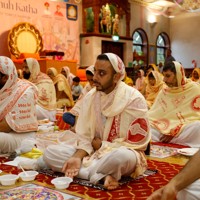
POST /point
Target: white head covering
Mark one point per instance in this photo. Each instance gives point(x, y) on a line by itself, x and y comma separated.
point(13, 88)
point(91, 69)
point(180, 74)
point(7, 67)
point(117, 64)
point(34, 68)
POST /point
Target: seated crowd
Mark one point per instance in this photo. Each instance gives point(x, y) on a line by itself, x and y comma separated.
point(112, 120)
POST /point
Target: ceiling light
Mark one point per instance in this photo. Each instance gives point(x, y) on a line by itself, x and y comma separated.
point(151, 19)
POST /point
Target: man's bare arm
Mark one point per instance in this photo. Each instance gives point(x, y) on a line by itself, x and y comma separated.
point(188, 174)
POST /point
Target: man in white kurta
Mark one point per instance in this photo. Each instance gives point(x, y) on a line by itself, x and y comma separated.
point(112, 130)
point(17, 107)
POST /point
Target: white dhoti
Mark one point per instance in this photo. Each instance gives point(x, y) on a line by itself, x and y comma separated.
point(190, 135)
point(9, 142)
point(192, 192)
point(117, 163)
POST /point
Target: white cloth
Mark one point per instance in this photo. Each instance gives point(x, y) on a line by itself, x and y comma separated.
point(17, 107)
point(117, 64)
point(177, 107)
point(90, 68)
point(68, 75)
point(187, 137)
point(45, 86)
point(121, 108)
point(86, 89)
point(108, 164)
point(45, 114)
point(119, 119)
point(129, 129)
point(192, 192)
point(22, 116)
point(9, 142)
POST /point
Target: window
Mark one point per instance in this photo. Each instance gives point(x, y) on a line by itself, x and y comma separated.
point(137, 42)
point(162, 44)
point(140, 50)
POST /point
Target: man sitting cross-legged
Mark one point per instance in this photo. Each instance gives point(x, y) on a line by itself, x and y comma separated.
point(175, 114)
point(112, 130)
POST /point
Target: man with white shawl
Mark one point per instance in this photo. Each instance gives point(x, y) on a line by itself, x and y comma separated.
point(17, 107)
point(46, 104)
point(112, 130)
point(175, 114)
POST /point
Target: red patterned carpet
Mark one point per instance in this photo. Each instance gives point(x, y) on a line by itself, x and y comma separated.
point(136, 190)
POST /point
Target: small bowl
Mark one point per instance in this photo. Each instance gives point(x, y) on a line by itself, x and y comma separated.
point(62, 182)
point(8, 179)
point(28, 176)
